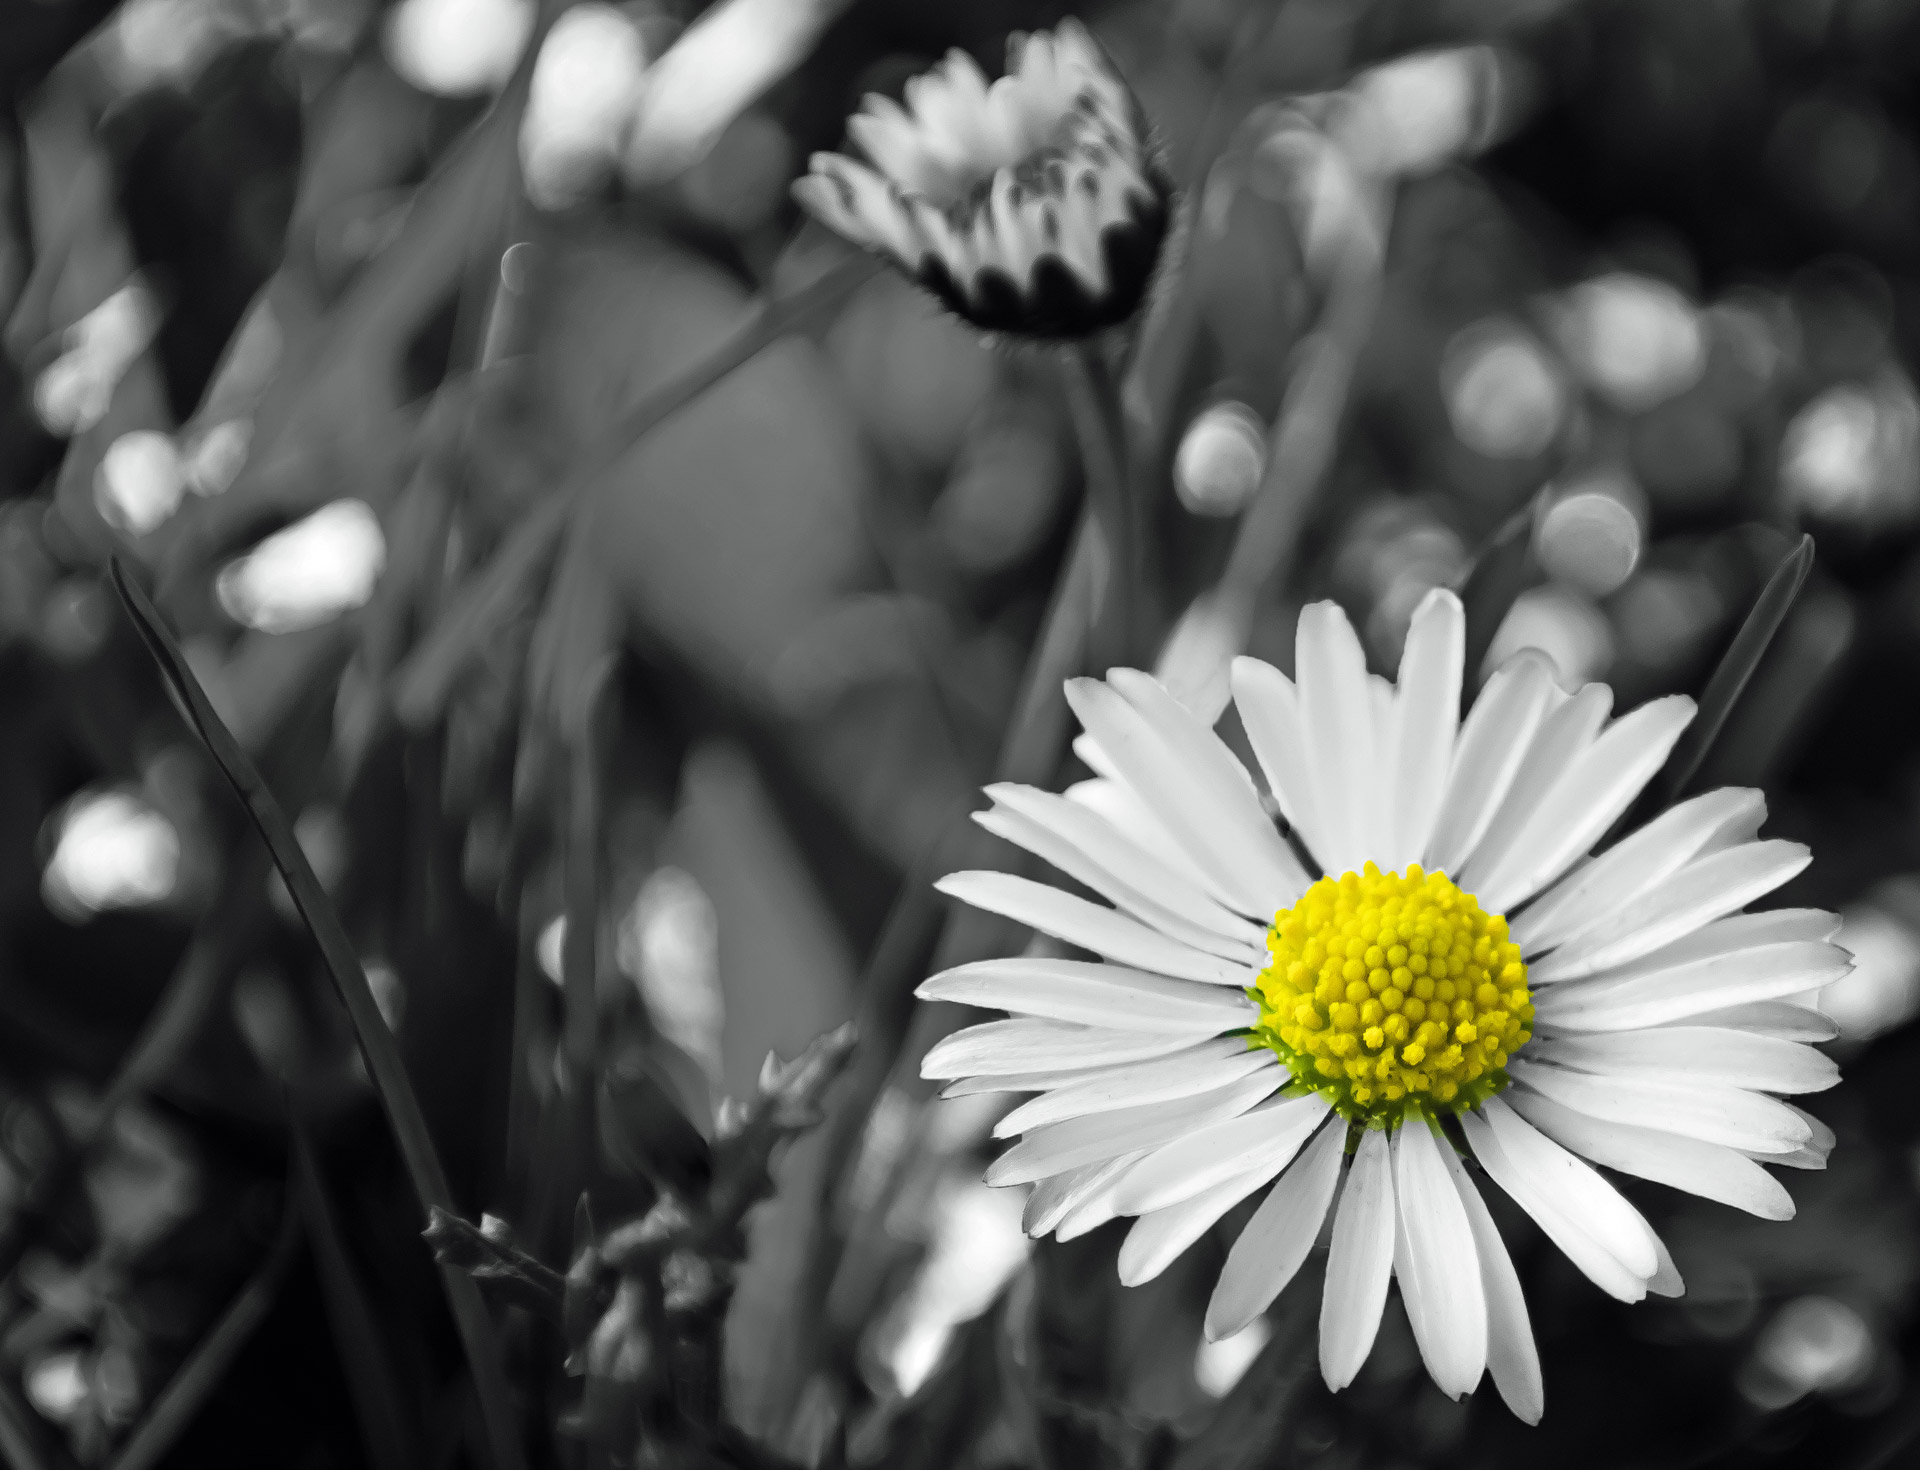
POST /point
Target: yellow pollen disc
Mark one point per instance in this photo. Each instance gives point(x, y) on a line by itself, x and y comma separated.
point(1390, 991)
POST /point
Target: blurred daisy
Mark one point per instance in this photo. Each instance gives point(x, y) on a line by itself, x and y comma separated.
point(1465, 981)
point(1030, 206)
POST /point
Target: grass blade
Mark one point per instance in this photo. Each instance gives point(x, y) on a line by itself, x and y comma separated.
point(376, 1042)
point(174, 1410)
point(363, 1355)
point(1735, 671)
point(1500, 573)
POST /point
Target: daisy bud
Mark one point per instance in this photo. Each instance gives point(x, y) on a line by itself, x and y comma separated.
point(1030, 206)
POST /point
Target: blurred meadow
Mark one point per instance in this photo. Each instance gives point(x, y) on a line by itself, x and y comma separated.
point(625, 588)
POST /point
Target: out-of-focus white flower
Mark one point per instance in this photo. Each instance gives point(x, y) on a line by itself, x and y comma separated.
point(57, 1385)
point(1218, 1365)
point(1030, 206)
point(586, 85)
point(1591, 532)
point(1220, 460)
point(144, 1185)
point(1416, 113)
point(668, 944)
point(140, 481)
point(1813, 1344)
point(111, 851)
point(1635, 339)
point(458, 48)
point(307, 574)
point(977, 1246)
point(1337, 211)
point(550, 949)
point(1568, 629)
point(215, 458)
point(1853, 454)
point(718, 68)
point(1396, 552)
point(1504, 395)
point(73, 393)
point(1884, 989)
point(166, 41)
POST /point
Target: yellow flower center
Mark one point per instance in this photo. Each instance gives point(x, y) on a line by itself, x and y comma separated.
point(1389, 992)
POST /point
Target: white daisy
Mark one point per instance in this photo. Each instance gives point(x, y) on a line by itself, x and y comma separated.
point(1465, 980)
point(1030, 206)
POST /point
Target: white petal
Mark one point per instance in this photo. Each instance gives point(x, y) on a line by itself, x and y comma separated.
point(1337, 713)
point(1238, 827)
point(1115, 803)
point(1577, 1209)
point(1276, 1240)
point(1054, 1199)
point(1699, 1053)
point(1187, 799)
point(1512, 1356)
point(1633, 865)
point(1440, 1276)
point(1003, 1047)
point(1092, 994)
point(1566, 732)
point(1138, 903)
point(1269, 708)
point(1705, 1169)
point(1202, 1159)
point(1105, 931)
point(1493, 742)
point(1140, 870)
point(1645, 994)
point(1700, 892)
point(1156, 1240)
point(1117, 1073)
point(1723, 1115)
point(1094, 1206)
point(1778, 1019)
point(1081, 1141)
point(1184, 1074)
point(1427, 717)
point(1585, 799)
point(1359, 1264)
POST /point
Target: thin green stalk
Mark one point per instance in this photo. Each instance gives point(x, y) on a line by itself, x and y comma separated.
point(364, 1360)
point(1304, 441)
point(579, 953)
point(183, 1398)
point(376, 1042)
point(1094, 399)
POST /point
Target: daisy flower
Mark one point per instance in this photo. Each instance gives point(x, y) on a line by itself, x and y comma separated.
point(1030, 206)
point(1436, 969)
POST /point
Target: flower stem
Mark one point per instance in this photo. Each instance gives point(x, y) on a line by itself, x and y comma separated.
point(1094, 398)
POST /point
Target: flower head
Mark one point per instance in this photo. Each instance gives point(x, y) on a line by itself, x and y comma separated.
point(1450, 977)
point(1030, 206)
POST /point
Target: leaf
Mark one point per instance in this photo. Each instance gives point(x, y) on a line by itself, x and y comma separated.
point(376, 1042)
point(363, 1354)
point(424, 681)
point(1735, 670)
point(182, 1398)
point(1500, 573)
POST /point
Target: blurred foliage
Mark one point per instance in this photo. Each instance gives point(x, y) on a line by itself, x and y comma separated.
point(615, 749)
